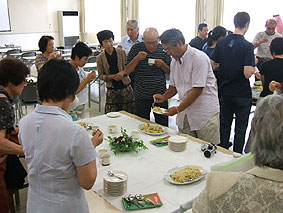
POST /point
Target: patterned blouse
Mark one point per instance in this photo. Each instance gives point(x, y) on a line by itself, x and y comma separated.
point(7, 116)
point(40, 60)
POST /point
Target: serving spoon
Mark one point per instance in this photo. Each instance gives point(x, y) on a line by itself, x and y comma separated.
point(140, 197)
point(111, 174)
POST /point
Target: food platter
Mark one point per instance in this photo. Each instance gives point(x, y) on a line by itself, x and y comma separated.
point(113, 114)
point(159, 110)
point(152, 129)
point(83, 124)
point(178, 168)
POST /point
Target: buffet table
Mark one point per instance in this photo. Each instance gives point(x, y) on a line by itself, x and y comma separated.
point(147, 168)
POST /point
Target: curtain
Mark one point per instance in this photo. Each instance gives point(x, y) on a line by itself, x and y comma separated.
point(218, 12)
point(123, 17)
point(82, 16)
point(199, 14)
point(133, 9)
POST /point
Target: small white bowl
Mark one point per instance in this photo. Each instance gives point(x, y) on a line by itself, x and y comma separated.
point(135, 134)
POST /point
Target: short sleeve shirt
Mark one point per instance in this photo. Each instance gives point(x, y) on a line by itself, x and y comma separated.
point(207, 50)
point(198, 42)
point(7, 116)
point(272, 71)
point(148, 80)
point(263, 50)
point(233, 53)
point(83, 94)
point(54, 145)
point(195, 71)
point(127, 43)
point(40, 60)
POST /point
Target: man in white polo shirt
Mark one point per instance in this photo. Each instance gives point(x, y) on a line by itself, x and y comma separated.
point(193, 79)
point(262, 42)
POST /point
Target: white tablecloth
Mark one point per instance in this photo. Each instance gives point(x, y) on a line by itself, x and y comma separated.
point(146, 169)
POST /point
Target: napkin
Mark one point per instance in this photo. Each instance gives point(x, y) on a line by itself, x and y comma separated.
point(160, 141)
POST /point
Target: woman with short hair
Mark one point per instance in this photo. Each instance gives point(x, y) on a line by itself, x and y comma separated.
point(60, 156)
point(13, 74)
point(111, 61)
point(46, 46)
point(259, 189)
point(79, 57)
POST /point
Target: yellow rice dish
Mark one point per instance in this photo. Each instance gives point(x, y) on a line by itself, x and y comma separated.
point(157, 110)
point(83, 124)
point(186, 174)
point(153, 129)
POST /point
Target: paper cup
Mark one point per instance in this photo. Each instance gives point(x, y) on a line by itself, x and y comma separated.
point(151, 61)
point(112, 129)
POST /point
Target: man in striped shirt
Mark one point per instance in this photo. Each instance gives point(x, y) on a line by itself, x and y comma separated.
point(149, 63)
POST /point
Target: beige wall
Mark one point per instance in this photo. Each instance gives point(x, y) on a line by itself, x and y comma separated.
point(30, 19)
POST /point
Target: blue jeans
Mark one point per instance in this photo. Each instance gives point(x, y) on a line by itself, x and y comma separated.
point(229, 106)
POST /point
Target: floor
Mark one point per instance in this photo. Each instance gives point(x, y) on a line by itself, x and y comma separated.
point(94, 111)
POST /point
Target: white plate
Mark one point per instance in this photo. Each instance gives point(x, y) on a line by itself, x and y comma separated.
point(171, 171)
point(160, 113)
point(113, 114)
point(114, 179)
point(178, 139)
point(154, 134)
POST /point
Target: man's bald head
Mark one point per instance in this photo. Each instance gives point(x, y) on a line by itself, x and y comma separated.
point(271, 21)
point(150, 37)
point(270, 26)
point(150, 33)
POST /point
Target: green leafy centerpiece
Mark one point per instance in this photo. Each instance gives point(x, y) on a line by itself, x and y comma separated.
point(125, 143)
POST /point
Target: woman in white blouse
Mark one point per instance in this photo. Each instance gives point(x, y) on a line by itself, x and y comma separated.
point(59, 153)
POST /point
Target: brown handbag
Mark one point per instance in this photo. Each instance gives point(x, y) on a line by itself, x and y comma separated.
point(126, 80)
point(15, 173)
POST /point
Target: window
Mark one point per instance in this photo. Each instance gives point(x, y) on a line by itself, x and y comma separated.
point(259, 11)
point(103, 15)
point(167, 14)
point(4, 16)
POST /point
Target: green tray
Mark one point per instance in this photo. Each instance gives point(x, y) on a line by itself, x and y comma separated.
point(152, 197)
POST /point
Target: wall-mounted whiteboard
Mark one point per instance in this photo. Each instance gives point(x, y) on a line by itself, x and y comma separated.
point(4, 16)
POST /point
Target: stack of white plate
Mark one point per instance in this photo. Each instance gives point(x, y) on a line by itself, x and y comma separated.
point(177, 143)
point(114, 186)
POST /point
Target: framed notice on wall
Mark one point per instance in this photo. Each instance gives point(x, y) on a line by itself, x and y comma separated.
point(4, 16)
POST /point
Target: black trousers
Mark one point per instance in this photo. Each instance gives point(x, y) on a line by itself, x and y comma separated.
point(241, 107)
point(143, 108)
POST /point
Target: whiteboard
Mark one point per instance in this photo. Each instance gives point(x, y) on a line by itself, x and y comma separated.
point(4, 16)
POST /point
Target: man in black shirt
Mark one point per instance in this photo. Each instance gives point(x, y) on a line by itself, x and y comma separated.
point(234, 59)
point(149, 63)
point(201, 39)
point(272, 70)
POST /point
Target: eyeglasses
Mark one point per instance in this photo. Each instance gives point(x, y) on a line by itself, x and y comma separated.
point(167, 50)
point(151, 42)
point(131, 29)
